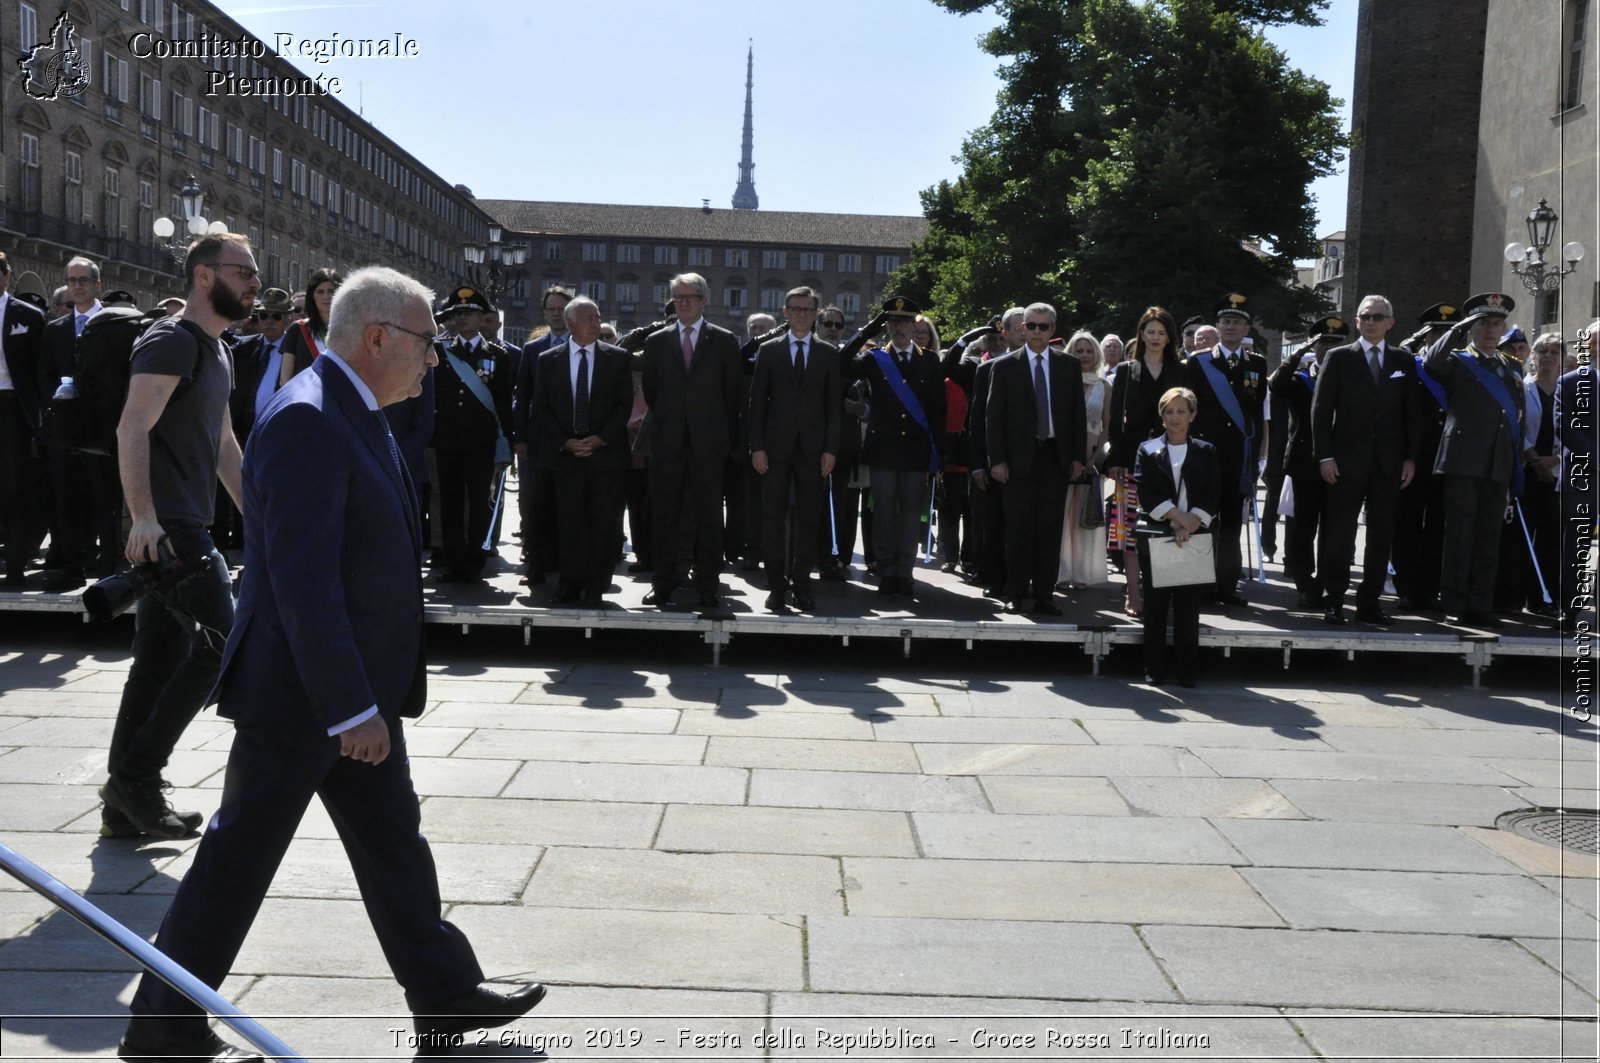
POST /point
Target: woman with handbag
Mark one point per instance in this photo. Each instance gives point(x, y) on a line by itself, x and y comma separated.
point(1083, 537)
point(1137, 385)
point(1178, 487)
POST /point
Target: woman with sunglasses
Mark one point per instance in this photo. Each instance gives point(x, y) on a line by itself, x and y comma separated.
point(304, 340)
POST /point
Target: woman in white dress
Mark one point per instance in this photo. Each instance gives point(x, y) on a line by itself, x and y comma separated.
point(1083, 550)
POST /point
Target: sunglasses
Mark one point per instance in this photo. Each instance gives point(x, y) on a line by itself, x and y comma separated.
point(1038, 326)
point(271, 315)
point(1372, 317)
point(832, 324)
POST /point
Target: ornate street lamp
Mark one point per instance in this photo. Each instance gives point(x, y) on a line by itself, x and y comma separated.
point(191, 199)
point(1528, 262)
point(496, 266)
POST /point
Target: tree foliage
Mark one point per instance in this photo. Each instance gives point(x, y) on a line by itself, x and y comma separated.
point(1138, 150)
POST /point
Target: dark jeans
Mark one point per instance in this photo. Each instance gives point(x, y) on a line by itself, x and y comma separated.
point(178, 638)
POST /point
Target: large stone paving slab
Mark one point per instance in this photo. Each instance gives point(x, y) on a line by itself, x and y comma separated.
point(1003, 1028)
point(1439, 742)
point(93, 865)
point(528, 822)
point(838, 725)
point(1574, 957)
point(604, 696)
point(983, 730)
point(805, 753)
point(966, 957)
point(628, 720)
point(1141, 839)
point(865, 704)
point(865, 790)
point(1536, 858)
point(1417, 901)
point(817, 831)
point(647, 880)
point(1226, 798)
point(585, 746)
point(1276, 764)
point(659, 783)
point(1191, 735)
point(1390, 1035)
point(460, 776)
point(49, 1016)
point(1380, 801)
point(1334, 969)
point(60, 943)
point(25, 807)
point(629, 948)
point(963, 759)
point(1384, 846)
point(1066, 794)
point(1060, 892)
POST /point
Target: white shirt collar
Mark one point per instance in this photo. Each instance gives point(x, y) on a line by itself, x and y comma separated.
point(807, 338)
point(574, 347)
point(94, 308)
point(361, 385)
point(692, 326)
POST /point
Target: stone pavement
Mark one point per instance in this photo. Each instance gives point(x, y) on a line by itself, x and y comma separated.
point(948, 856)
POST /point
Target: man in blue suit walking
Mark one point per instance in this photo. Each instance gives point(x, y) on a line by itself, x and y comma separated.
point(324, 660)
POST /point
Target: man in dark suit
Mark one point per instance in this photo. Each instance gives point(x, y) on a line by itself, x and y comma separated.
point(1231, 385)
point(21, 332)
point(1480, 455)
point(325, 660)
point(693, 379)
point(1036, 442)
point(1365, 431)
point(794, 427)
point(536, 498)
point(907, 387)
point(79, 483)
point(989, 500)
point(472, 407)
point(583, 394)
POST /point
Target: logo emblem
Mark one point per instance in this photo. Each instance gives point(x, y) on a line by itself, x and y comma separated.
point(899, 304)
point(1446, 311)
point(1235, 300)
point(1495, 300)
point(54, 68)
point(1335, 325)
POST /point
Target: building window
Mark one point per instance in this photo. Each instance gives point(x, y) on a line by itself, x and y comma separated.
point(849, 264)
point(733, 299)
point(114, 77)
point(1577, 32)
point(627, 295)
point(74, 190)
point(554, 251)
point(699, 256)
point(595, 290)
point(628, 253)
point(594, 252)
point(774, 260)
point(111, 203)
point(150, 13)
point(29, 28)
point(772, 299)
point(735, 258)
point(666, 256)
point(888, 263)
point(1552, 308)
point(850, 303)
point(811, 261)
point(659, 294)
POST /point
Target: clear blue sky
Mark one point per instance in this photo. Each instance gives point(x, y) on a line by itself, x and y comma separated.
point(626, 101)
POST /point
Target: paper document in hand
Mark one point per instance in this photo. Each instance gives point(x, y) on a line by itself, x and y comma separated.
point(1172, 565)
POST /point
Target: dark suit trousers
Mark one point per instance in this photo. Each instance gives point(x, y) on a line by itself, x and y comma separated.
point(1474, 510)
point(466, 498)
point(899, 502)
point(636, 489)
point(590, 501)
point(992, 559)
point(1300, 532)
point(1035, 508)
point(686, 512)
point(1419, 538)
point(273, 772)
point(1184, 605)
point(952, 512)
point(15, 483)
point(801, 480)
point(1336, 544)
point(1517, 585)
point(68, 483)
point(1226, 531)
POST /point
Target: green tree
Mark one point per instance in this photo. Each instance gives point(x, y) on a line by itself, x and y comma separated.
point(1141, 151)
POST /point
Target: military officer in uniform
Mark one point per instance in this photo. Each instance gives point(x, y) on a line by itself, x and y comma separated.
point(1230, 382)
point(1292, 385)
point(907, 409)
point(1419, 520)
point(1479, 455)
point(472, 402)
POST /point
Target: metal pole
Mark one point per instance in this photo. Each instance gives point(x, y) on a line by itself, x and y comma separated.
point(146, 954)
point(494, 517)
point(833, 521)
point(1544, 590)
point(1255, 517)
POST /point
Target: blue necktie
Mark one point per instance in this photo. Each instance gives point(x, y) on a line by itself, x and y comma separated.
point(394, 448)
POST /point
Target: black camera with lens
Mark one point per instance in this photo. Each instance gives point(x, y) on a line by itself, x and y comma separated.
point(118, 592)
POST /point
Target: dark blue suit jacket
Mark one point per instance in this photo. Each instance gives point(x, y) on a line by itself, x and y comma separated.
point(329, 620)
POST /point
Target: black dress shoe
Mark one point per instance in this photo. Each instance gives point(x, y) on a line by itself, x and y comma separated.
point(1044, 608)
point(888, 585)
point(483, 1008)
point(1374, 615)
point(948, 566)
point(1334, 614)
point(640, 567)
point(709, 603)
point(774, 601)
point(13, 580)
point(1232, 598)
point(834, 573)
point(567, 598)
point(141, 1045)
point(803, 600)
point(1308, 600)
point(592, 599)
point(63, 579)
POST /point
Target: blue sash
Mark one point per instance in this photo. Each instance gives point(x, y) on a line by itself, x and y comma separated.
point(1433, 386)
point(908, 399)
point(1308, 380)
point(480, 391)
point(1230, 406)
point(1495, 385)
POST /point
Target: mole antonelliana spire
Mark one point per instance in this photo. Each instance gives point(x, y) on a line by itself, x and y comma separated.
point(744, 197)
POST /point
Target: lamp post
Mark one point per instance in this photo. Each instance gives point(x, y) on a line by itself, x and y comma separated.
point(1528, 262)
point(191, 198)
point(494, 267)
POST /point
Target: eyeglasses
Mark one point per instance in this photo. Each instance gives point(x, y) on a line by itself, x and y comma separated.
point(424, 337)
point(1372, 317)
point(830, 324)
point(800, 310)
point(1039, 326)
point(693, 298)
point(247, 273)
point(80, 280)
point(271, 315)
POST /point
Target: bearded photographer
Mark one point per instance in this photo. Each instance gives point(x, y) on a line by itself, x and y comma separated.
point(174, 438)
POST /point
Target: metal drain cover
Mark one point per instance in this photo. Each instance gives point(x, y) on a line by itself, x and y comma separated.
point(1574, 829)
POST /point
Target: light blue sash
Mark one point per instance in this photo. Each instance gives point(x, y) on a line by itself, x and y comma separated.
point(908, 399)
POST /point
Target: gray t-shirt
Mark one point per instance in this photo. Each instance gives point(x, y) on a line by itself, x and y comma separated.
point(188, 434)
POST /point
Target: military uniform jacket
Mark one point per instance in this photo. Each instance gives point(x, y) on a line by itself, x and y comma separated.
point(1291, 395)
point(1248, 378)
point(461, 422)
point(894, 438)
point(1477, 441)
